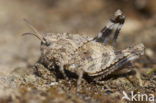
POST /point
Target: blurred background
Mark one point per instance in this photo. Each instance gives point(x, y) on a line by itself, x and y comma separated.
point(73, 16)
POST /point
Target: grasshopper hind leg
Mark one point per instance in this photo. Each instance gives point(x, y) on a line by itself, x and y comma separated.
point(104, 35)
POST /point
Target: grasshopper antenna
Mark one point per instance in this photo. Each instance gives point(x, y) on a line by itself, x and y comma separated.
point(36, 33)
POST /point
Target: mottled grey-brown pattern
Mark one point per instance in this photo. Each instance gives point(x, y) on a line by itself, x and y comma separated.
point(86, 55)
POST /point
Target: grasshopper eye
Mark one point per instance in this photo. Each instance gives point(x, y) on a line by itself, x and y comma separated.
point(46, 42)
